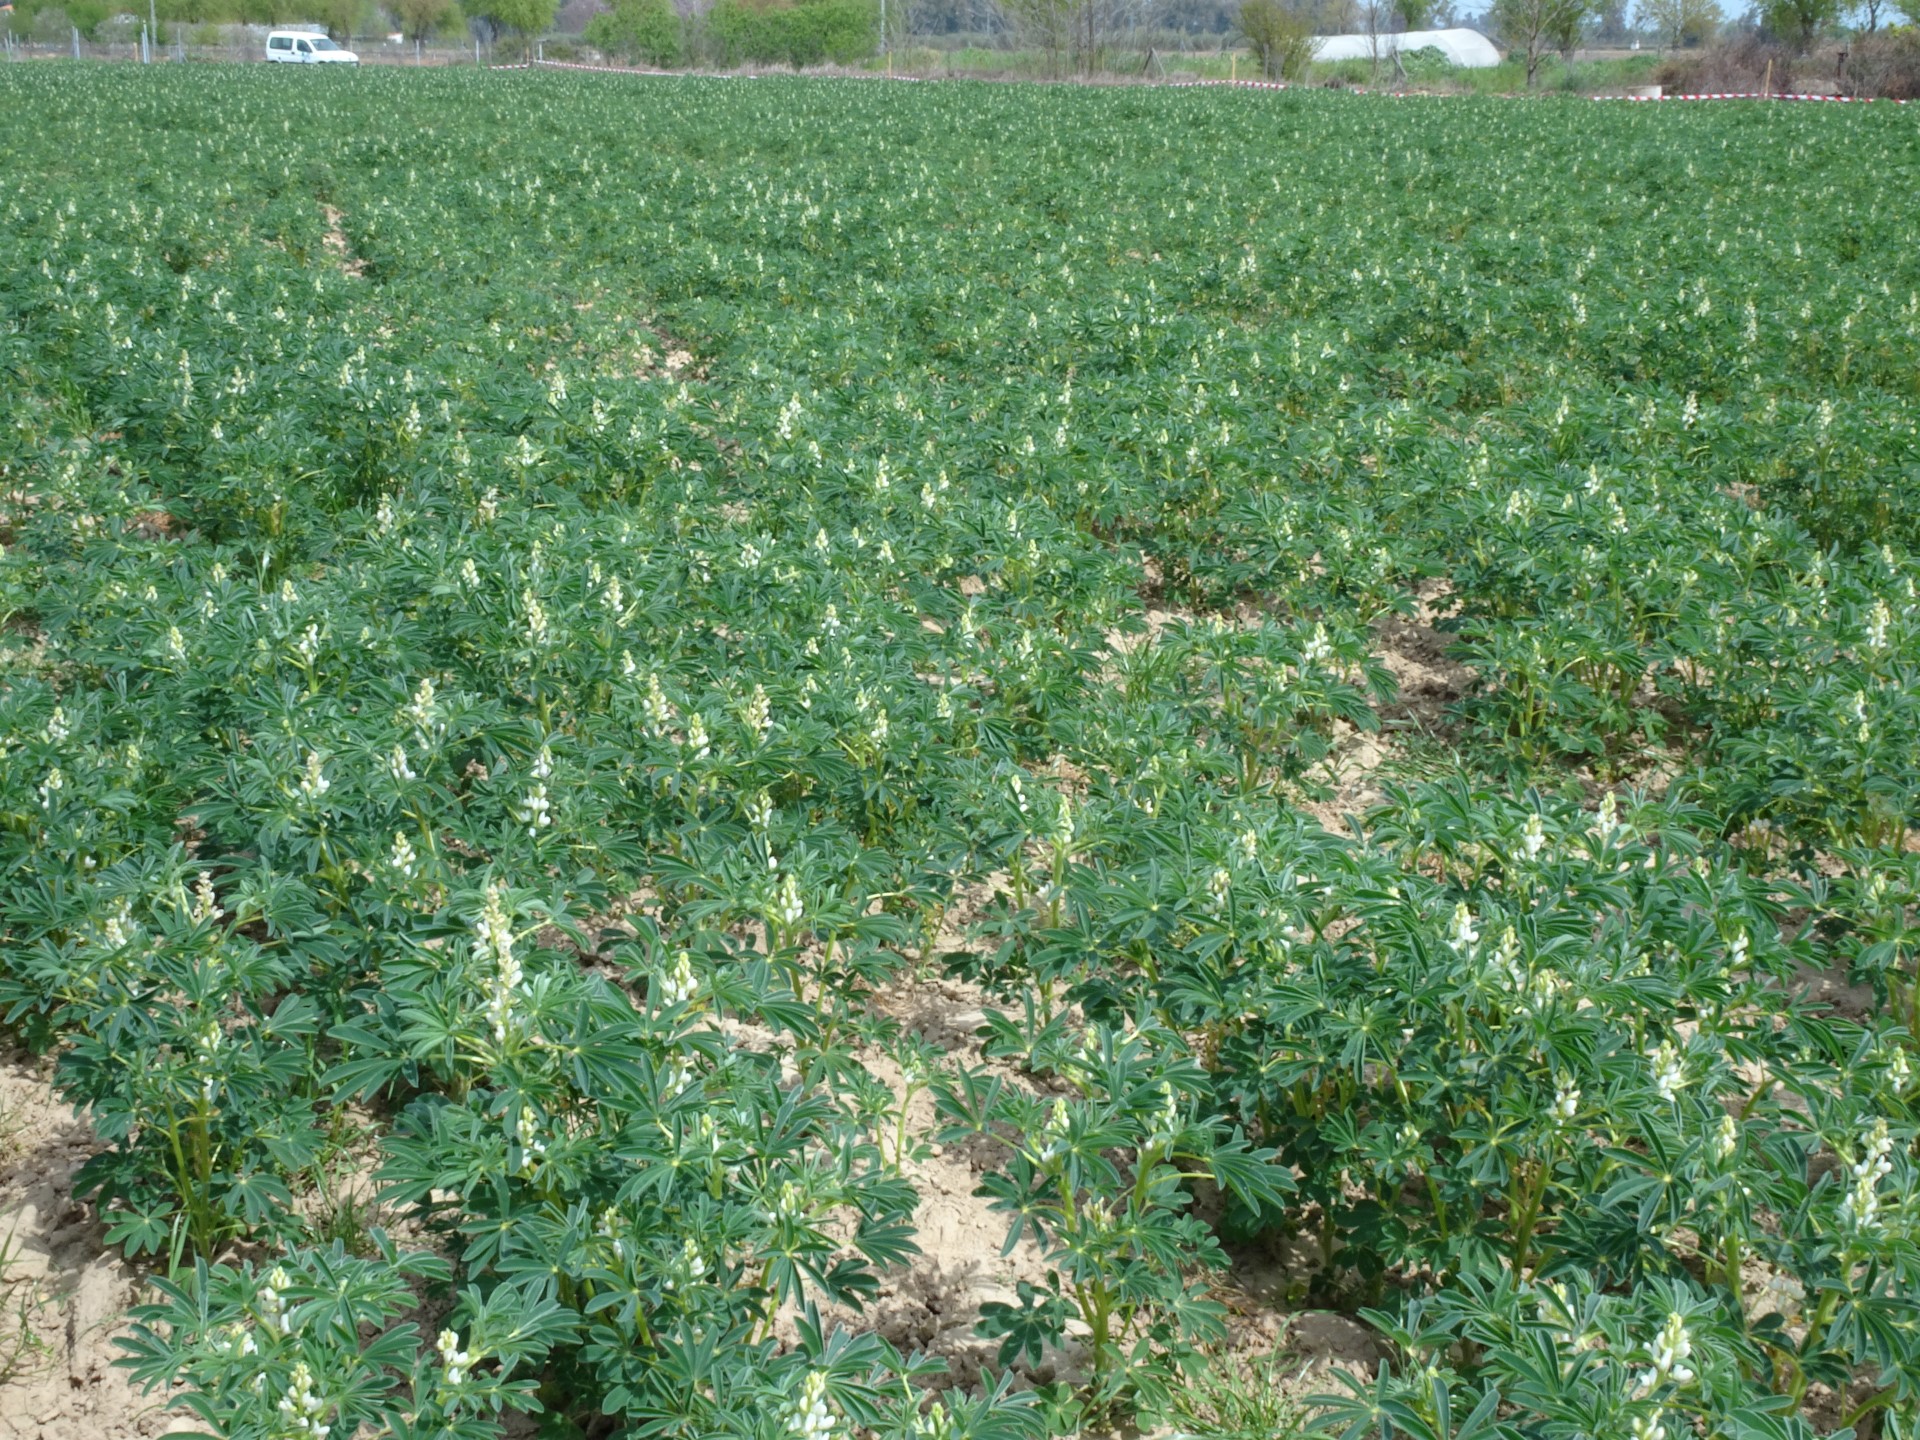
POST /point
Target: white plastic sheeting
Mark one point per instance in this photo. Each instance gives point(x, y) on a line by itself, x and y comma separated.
point(1468, 49)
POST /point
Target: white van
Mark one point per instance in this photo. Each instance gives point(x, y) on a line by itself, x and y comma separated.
point(297, 47)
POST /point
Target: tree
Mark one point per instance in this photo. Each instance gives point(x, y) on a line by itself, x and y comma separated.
point(1534, 26)
point(343, 18)
point(1680, 22)
point(1044, 24)
point(1280, 37)
point(1799, 21)
point(526, 18)
point(420, 18)
point(794, 32)
point(1568, 29)
point(645, 30)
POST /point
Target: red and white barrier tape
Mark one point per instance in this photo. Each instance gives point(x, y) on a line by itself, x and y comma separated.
point(1752, 95)
point(1233, 84)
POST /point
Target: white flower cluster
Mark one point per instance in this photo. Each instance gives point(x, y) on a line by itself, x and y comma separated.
point(811, 1415)
point(1726, 1139)
point(401, 857)
point(789, 1205)
point(1861, 1208)
point(536, 811)
point(1063, 826)
point(1608, 821)
point(422, 712)
point(656, 707)
point(679, 985)
point(206, 907)
point(1054, 1133)
point(936, 1424)
point(273, 1304)
point(1877, 621)
point(787, 907)
point(493, 945)
point(207, 1046)
point(758, 714)
point(1318, 650)
point(458, 1362)
point(1168, 1121)
point(1534, 838)
point(524, 1131)
point(1462, 936)
point(698, 740)
point(1670, 1351)
point(688, 1268)
point(119, 929)
point(313, 778)
point(235, 1339)
point(760, 811)
point(1669, 1070)
point(300, 1408)
point(1566, 1101)
point(1219, 885)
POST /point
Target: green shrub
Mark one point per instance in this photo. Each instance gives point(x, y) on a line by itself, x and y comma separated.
point(1280, 37)
point(643, 30)
point(805, 33)
point(1429, 62)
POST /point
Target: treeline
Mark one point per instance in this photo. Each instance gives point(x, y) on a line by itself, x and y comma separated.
point(417, 19)
point(734, 32)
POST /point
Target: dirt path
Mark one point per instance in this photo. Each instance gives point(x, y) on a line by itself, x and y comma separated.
point(59, 1281)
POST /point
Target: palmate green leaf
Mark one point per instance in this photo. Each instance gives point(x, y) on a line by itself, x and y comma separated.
point(148, 1230)
point(1253, 1176)
point(256, 1198)
point(1037, 1320)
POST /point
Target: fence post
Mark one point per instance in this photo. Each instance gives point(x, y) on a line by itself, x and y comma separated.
point(540, 50)
point(76, 42)
point(476, 49)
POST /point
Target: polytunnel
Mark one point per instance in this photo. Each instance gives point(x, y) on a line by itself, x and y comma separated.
point(1467, 49)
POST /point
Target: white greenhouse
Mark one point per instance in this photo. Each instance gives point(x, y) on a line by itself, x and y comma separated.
point(1467, 49)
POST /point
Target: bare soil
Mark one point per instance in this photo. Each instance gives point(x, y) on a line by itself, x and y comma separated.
point(75, 1293)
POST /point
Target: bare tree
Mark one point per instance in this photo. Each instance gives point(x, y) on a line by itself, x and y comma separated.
point(1049, 25)
point(1078, 34)
point(1534, 27)
point(1678, 21)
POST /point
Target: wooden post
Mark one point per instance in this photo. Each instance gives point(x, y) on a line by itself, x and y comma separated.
point(1766, 85)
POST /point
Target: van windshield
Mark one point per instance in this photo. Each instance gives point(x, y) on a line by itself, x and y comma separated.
point(320, 42)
